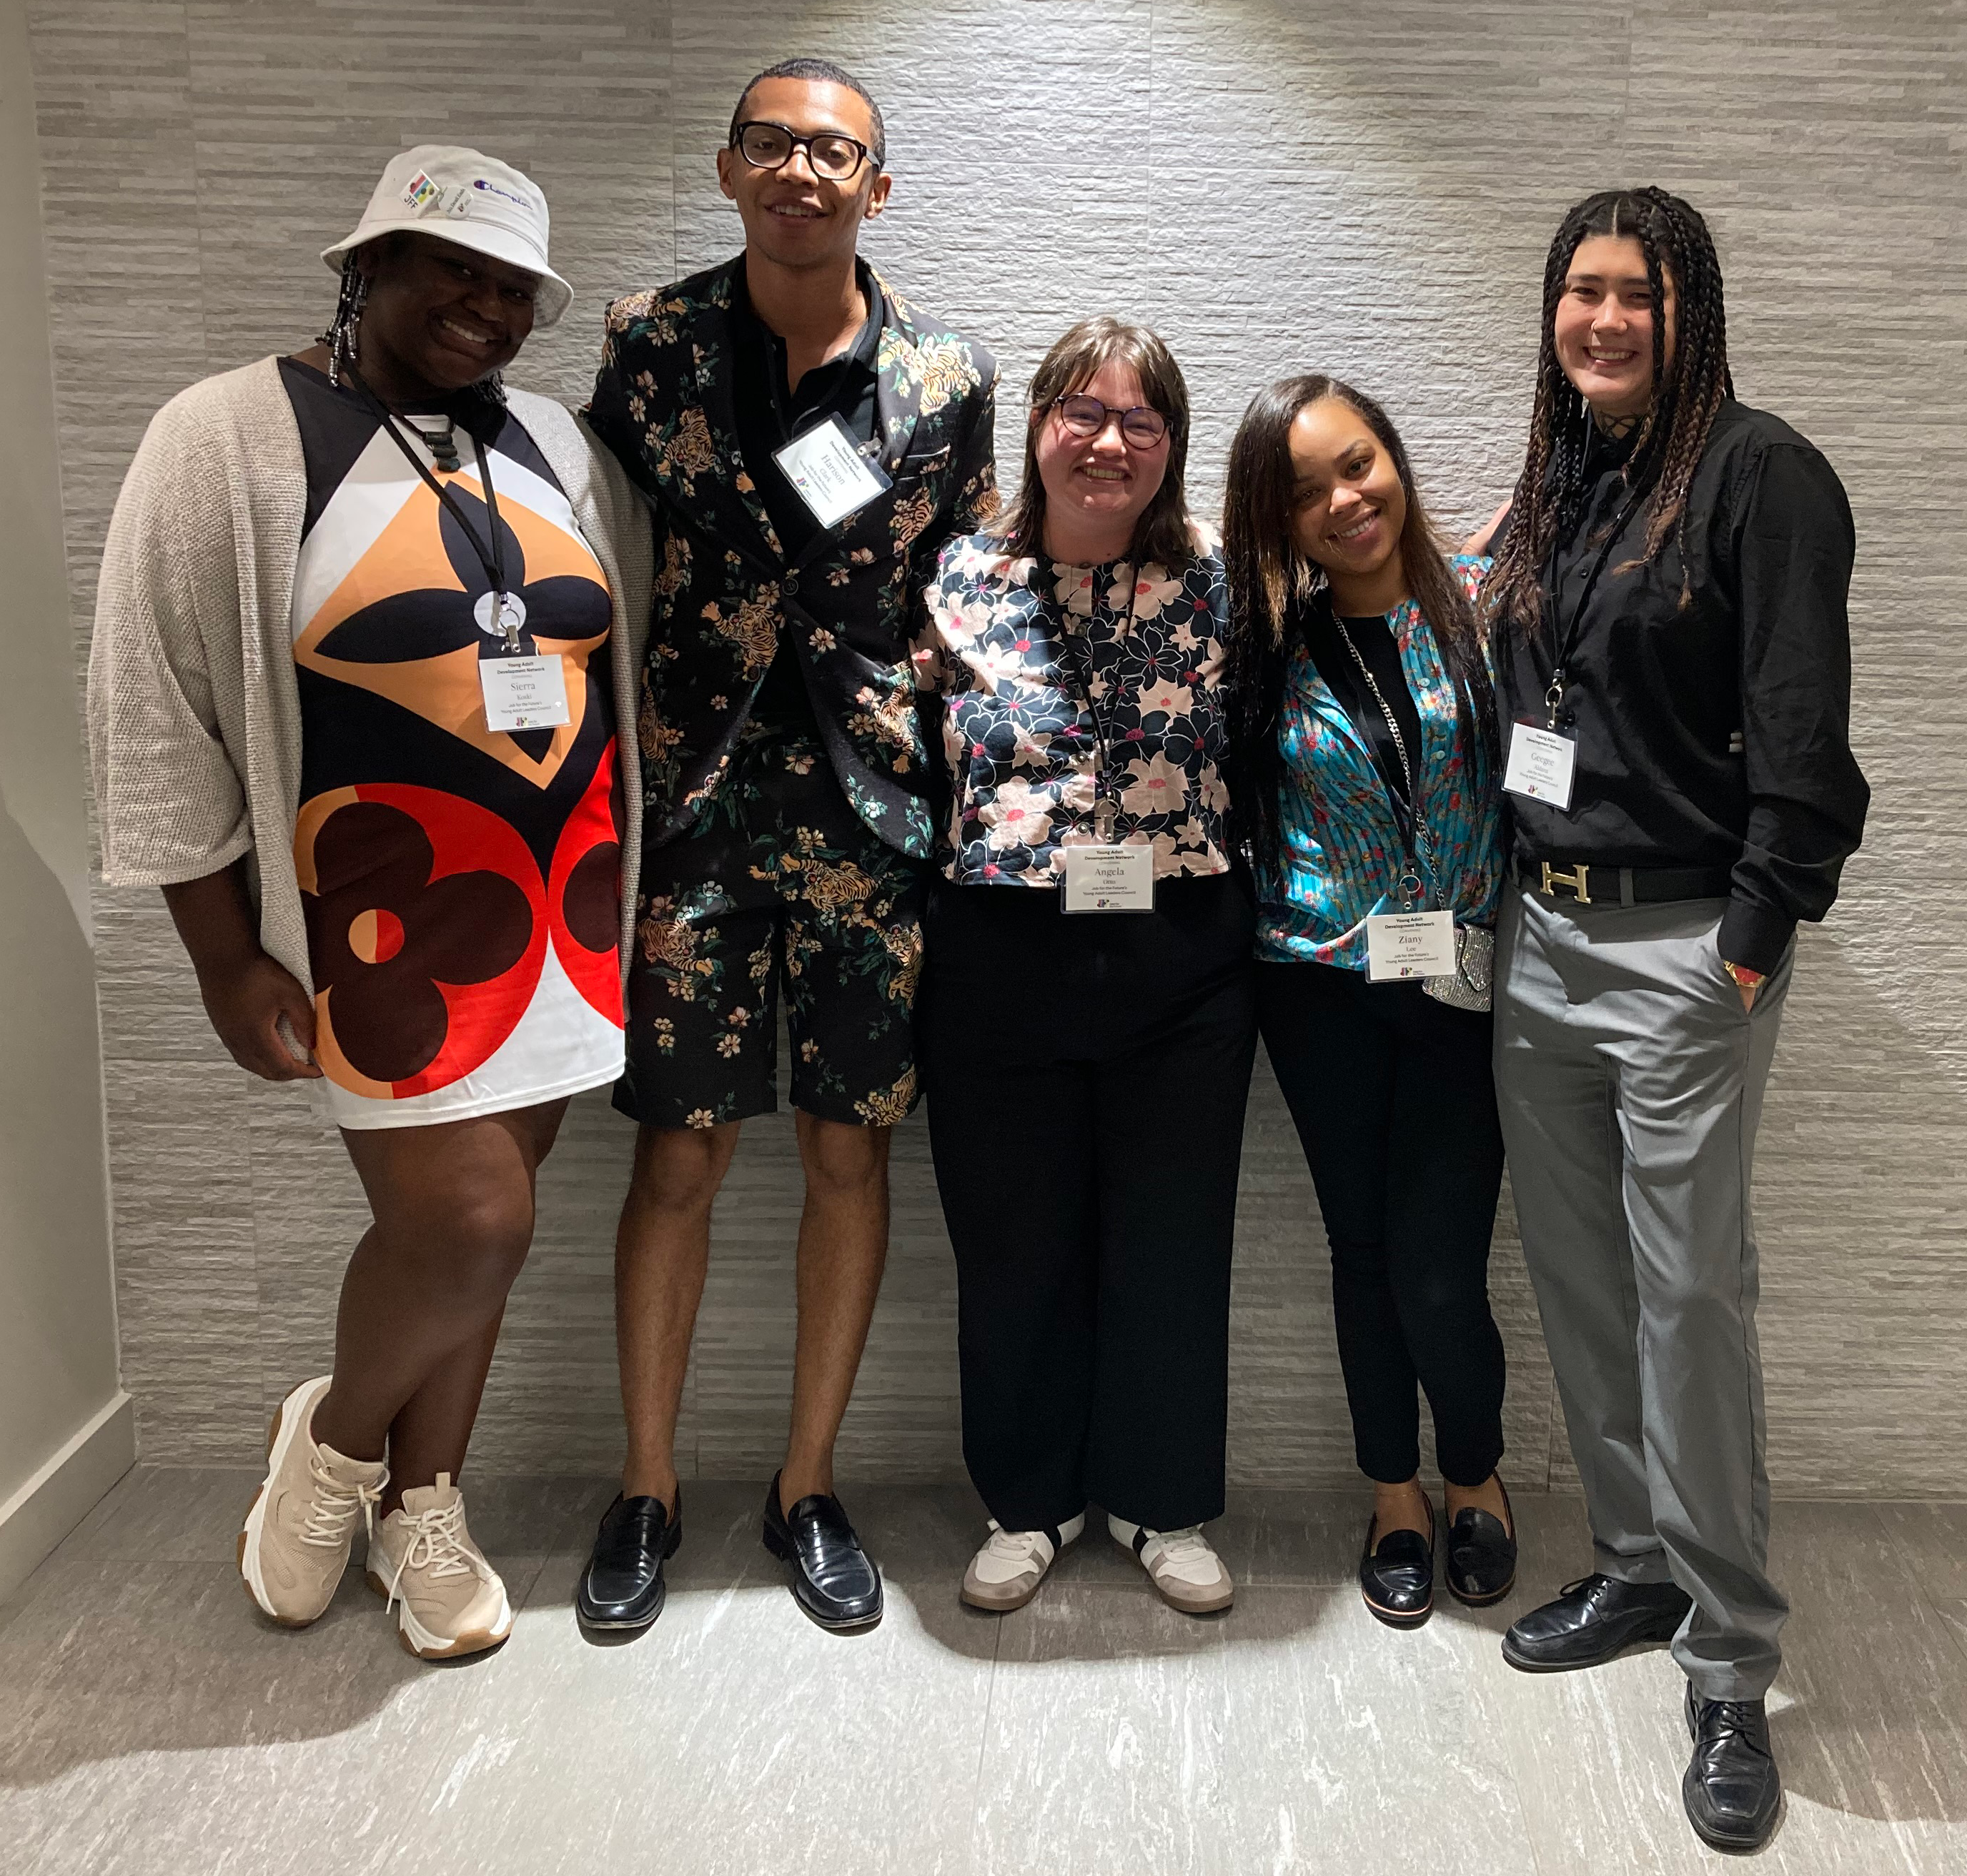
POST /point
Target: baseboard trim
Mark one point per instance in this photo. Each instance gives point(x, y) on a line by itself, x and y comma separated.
point(64, 1491)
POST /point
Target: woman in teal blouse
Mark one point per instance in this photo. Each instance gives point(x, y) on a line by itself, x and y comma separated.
point(1365, 779)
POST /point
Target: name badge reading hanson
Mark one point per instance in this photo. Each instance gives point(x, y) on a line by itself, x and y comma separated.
point(1116, 878)
point(1404, 944)
point(524, 693)
point(1540, 766)
point(832, 477)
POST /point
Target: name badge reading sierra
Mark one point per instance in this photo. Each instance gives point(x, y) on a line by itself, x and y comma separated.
point(832, 477)
point(1540, 766)
point(1120, 877)
point(524, 693)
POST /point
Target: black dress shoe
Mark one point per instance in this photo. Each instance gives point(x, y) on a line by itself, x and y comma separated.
point(833, 1581)
point(1592, 1620)
point(622, 1586)
point(1733, 1790)
point(1481, 1565)
point(1396, 1575)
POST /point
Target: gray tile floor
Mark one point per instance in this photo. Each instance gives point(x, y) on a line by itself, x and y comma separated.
point(151, 1722)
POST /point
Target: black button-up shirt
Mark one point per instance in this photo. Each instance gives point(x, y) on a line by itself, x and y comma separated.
point(1716, 735)
point(771, 413)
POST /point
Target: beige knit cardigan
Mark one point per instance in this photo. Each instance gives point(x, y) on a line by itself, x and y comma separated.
point(194, 714)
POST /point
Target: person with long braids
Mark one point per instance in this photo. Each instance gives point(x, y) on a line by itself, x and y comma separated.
point(1668, 603)
point(365, 623)
point(1364, 780)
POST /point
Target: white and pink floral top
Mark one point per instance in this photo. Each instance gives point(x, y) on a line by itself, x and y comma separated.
point(1023, 651)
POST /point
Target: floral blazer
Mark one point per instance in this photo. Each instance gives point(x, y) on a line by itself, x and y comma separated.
point(663, 403)
point(1340, 848)
point(1014, 647)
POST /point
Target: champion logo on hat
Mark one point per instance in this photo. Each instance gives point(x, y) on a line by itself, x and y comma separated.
point(504, 195)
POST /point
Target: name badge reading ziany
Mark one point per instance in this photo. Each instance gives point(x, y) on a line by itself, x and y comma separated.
point(832, 477)
point(1404, 944)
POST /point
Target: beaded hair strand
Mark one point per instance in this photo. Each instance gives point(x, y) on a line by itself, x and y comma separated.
point(1550, 493)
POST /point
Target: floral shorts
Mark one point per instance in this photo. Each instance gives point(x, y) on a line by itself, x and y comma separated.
point(778, 883)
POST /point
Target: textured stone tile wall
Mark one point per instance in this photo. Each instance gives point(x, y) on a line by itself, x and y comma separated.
point(1279, 187)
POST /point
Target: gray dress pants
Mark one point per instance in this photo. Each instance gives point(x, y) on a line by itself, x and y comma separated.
point(1629, 1080)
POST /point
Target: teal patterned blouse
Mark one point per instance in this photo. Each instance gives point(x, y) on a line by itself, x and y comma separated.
point(1339, 847)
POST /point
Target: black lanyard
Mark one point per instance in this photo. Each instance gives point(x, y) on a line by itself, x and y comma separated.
point(1407, 816)
point(491, 559)
point(1102, 739)
point(1567, 642)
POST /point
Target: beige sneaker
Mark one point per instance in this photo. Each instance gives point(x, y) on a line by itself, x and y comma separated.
point(1005, 1574)
point(450, 1601)
point(1179, 1563)
point(296, 1544)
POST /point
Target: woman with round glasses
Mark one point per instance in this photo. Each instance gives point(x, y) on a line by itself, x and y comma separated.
point(1089, 1024)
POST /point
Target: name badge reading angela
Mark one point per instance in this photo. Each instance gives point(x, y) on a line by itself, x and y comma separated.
point(524, 693)
point(1540, 766)
point(1404, 944)
point(832, 477)
point(1116, 878)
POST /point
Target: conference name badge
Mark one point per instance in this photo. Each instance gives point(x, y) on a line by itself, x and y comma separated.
point(1404, 944)
point(1540, 766)
point(1119, 877)
point(524, 693)
point(832, 477)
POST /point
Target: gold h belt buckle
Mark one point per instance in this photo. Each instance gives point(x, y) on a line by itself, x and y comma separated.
point(1575, 880)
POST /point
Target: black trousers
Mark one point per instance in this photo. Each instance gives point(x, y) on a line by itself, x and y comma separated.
point(1086, 1076)
point(1395, 1103)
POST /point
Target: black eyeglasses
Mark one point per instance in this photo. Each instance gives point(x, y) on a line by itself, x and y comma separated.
point(1085, 416)
point(835, 158)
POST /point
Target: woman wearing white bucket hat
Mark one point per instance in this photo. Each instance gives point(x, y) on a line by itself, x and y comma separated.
point(366, 625)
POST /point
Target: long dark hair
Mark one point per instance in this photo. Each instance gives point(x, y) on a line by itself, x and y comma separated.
point(1688, 392)
point(1165, 532)
point(1269, 576)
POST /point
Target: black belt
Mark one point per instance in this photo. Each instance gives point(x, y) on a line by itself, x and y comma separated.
point(1591, 885)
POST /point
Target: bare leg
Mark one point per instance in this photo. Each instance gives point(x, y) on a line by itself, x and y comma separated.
point(426, 1289)
point(843, 1246)
point(1487, 1497)
point(662, 1248)
point(1401, 1507)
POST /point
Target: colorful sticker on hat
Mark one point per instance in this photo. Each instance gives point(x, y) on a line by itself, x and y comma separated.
point(421, 191)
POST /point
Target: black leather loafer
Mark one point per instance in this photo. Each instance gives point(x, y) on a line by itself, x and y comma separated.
point(1481, 1563)
point(622, 1586)
point(1396, 1575)
point(1592, 1620)
point(833, 1581)
point(1733, 1790)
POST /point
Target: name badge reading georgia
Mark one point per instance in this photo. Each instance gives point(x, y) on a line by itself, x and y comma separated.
point(832, 477)
point(1541, 765)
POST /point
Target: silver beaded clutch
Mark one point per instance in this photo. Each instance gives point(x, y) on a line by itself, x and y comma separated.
point(1471, 985)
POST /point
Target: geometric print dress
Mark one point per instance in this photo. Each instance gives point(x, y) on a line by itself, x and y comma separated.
point(461, 884)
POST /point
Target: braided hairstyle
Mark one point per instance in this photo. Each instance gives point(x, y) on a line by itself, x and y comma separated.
point(1688, 392)
point(1269, 578)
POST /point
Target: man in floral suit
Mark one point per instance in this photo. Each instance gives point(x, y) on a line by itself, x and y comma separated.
point(786, 825)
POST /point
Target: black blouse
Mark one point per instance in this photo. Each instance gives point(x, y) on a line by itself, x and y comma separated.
point(1717, 735)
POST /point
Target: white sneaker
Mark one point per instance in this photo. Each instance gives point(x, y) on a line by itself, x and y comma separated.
point(450, 1601)
point(295, 1545)
point(1179, 1563)
point(1005, 1574)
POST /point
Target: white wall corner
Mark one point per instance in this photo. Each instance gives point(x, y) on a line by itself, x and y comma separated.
point(63, 1492)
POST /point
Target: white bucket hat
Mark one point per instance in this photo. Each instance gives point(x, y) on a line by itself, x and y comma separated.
point(470, 200)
